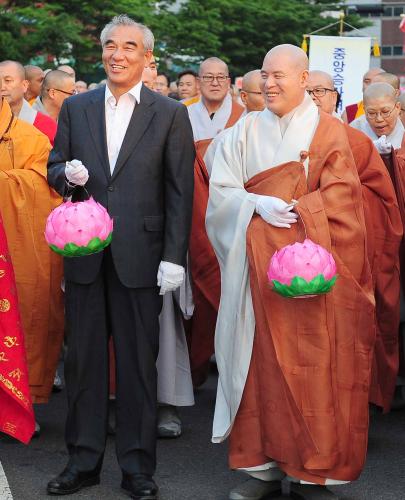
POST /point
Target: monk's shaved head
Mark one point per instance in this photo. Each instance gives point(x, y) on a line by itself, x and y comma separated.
point(55, 79)
point(295, 55)
point(284, 78)
point(369, 75)
point(17, 67)
point(318, 77)
point(250, 79)
point(32, 71)
point(211, 61)
point(379, 91)
point(389, 78)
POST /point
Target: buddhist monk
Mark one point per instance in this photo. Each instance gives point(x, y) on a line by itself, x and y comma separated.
point(384, 227)
point(213, 113)
point(353, 111)
point(67, 69)
point(251, 94)
point(56, 87)
point(14, 86)
point(294, 375)
point(35, 77)
point(25, 202)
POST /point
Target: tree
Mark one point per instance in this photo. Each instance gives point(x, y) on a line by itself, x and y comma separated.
point(242, 31)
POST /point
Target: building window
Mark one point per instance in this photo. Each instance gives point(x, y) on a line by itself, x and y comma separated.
point(386, 50)
point(398, 11)
point(397, 50)
point(388, 11)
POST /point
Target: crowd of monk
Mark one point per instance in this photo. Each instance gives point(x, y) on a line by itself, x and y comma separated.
point(295, 379)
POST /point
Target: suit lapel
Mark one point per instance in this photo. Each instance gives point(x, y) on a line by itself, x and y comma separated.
point(95, 113)
point(140, 119)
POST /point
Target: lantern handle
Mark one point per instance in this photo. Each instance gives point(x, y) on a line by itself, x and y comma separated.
point(297, 211)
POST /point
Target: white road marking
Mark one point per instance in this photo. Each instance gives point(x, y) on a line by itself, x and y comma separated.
point(5, 492)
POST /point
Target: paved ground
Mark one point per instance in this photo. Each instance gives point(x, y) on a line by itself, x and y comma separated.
point(190, 468)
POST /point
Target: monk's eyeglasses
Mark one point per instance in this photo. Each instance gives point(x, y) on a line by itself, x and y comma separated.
point(63, 91)
point(384, 114)
point(320, 91)
point(211, 78)
point(251, 91)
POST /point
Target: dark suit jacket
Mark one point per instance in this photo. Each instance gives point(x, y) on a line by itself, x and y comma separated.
point(149, 195)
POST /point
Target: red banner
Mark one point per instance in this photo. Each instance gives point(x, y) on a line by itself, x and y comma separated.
point(16, 413)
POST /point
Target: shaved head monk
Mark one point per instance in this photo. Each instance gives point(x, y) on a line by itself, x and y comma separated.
point(35, 77)
point(389, 78)
point(289, 396)
point(57, 86)
point(320, 87)
point(381, 121)
point(356, 110)
point(251, 93)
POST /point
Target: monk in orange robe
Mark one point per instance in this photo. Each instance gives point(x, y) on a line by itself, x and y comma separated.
point(25, 202)
point(294, 375)
point(213, 113)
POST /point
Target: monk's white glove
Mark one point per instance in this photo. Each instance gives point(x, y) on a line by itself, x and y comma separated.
point(382, 145)
point(76, 173)
point(169, 277)
point(275, 211)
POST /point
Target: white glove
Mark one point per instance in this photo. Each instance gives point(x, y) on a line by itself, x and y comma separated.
point(275, 211)
point(169, 277)
point(382, 145)
point(76, 173)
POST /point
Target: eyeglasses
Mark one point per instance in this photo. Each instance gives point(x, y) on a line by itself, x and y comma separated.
point(63, 91)
point(211, 78)
point(384, 114)
point(320, 91)
point(251, 91)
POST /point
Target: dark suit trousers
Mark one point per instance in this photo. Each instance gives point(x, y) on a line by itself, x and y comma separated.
point(130, 315)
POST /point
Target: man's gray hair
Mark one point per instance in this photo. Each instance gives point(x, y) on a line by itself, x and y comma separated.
point(124, 20)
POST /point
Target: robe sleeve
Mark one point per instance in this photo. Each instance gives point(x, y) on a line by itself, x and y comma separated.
point(229, 212)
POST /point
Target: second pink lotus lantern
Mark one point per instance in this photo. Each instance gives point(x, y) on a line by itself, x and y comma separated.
point(79, 228)
point(302, 270)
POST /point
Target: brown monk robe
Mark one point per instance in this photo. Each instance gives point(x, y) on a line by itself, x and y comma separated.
point(305, 402)
point(204, 267)
point(25, 202)
point(384, 234)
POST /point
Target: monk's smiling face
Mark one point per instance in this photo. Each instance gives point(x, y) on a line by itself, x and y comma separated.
point(284, 78)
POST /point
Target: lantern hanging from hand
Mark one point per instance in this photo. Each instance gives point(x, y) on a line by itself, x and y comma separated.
point(78, 228)
point(302, 270)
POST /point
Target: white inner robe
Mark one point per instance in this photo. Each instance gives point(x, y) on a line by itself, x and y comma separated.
point(395, 138)
point(203, 126)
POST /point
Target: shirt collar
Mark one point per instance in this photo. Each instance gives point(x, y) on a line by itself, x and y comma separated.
point(135, 93)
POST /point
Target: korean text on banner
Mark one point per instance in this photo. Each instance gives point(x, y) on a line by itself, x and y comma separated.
point(346, 59)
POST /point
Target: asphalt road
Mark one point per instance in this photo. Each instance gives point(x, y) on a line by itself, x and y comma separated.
point(190, 468)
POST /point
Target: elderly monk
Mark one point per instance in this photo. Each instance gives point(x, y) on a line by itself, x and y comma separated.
point(57, 86)
point(353, 111)
point(320, 87)
point(25, 202)
point(13, 89)
point(213, 113)
point(81, 87)
point(35, 77)
point(383, 229)
point(251, 94)
point(188, 87)
point(382, 123)
point(293, 383)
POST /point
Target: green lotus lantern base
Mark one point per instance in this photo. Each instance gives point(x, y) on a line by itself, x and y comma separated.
point(299, 287)
point(72, 250)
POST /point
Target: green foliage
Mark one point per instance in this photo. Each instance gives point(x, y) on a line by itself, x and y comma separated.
point(239, 31)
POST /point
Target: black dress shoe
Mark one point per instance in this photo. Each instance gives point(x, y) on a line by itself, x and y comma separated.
point(70, 481)
point(139, 486)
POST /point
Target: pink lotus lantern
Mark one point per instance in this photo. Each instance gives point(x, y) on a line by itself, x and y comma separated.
point(78, 228)
point(302, 269)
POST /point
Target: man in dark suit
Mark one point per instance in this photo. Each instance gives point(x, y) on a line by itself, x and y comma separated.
point(133, 150)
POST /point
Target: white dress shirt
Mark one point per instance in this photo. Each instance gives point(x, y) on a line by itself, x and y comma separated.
point(117, 118)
